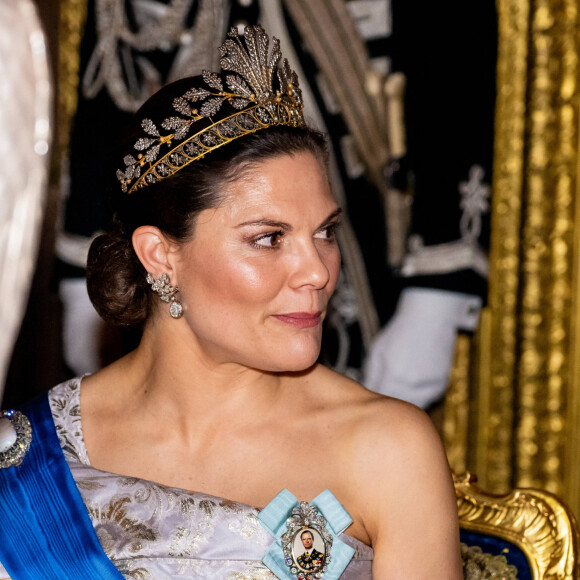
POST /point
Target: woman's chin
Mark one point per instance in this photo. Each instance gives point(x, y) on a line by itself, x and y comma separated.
point(293, 361)
point(299, 363)
point(299, 367)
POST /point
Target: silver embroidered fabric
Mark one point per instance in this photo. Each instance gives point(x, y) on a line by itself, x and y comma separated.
point(154, 532)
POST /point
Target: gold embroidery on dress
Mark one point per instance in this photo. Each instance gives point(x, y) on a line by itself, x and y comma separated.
point(127, 570)
point(184, 544)
point(231, 506)
point(68, 446)
point(253, 574)
point(138, 574)
point(208, 507)
point(187, 506)
point(248, 528)
point(159, 492)
point(114, 519)
point(66, 414)
point(128, 481)
point(58, 404)
point(89, 484)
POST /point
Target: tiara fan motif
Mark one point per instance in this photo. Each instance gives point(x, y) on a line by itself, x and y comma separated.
point(164, 151)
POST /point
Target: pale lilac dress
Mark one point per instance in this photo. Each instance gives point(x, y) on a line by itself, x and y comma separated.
point(153, 532)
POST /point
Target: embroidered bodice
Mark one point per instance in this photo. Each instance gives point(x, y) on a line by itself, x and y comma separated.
point(153, 532)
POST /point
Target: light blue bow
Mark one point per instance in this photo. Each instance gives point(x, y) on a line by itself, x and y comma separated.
point(273, 517)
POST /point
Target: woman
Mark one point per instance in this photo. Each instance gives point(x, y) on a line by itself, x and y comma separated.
point(225, 251)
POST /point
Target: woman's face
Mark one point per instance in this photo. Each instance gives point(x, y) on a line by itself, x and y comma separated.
point(256, 277)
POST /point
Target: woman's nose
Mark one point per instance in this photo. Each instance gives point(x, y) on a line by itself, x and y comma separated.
point(309, 267)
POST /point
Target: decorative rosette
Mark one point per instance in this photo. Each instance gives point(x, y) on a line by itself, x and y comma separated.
point(307, 545)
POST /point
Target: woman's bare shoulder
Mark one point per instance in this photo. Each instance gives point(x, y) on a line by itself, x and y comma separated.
point(383, 433)
point(386, 431)
point(398, 484)
point(374, 412)
point(375, 427)
point(395, 477)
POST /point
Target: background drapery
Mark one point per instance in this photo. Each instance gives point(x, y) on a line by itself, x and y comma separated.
point(513, 405)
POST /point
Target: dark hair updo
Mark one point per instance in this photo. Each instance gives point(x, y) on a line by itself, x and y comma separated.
point(115, 277)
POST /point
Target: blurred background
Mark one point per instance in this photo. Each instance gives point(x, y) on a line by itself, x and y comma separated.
point(453, 130)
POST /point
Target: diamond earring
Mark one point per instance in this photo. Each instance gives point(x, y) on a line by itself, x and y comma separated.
point(167, 293)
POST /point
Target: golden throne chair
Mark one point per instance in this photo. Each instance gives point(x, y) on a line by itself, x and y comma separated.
point(527, 534)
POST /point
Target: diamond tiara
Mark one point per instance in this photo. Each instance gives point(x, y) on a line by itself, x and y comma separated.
point(250, 95)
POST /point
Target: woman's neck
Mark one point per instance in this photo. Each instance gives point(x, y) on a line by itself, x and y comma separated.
point(168, 376)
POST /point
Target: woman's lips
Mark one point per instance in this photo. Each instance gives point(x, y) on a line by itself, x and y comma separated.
point(300, 319)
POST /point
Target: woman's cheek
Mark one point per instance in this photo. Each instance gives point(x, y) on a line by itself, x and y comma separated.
point(256, 275)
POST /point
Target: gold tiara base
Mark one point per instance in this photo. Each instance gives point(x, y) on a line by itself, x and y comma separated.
point(216, 135)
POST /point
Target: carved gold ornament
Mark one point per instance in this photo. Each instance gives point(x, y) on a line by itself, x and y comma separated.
point(533, 520)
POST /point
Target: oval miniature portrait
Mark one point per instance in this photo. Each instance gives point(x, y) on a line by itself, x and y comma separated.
point(308, 550)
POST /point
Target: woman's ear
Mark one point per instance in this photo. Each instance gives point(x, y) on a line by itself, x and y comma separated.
point(153, 250)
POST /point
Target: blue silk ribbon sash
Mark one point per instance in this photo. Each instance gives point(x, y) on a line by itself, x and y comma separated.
point(45, 530)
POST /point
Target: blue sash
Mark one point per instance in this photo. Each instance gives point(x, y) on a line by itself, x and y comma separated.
point(45, 530)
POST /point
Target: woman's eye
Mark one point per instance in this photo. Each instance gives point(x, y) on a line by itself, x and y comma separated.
point(270, 240)
point(327, 233)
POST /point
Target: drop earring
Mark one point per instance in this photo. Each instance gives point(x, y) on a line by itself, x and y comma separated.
point(167, 292)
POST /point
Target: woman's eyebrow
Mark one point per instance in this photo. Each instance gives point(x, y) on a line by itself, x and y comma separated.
point(284, 225)
point(266, 222)
point(332, 216)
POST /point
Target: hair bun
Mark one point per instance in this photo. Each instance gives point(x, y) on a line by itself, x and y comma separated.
point(116, 280)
